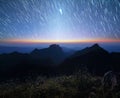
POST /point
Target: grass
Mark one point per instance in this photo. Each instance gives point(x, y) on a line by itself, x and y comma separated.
point(80, 85)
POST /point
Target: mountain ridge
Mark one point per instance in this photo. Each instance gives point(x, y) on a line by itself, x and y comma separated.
point(54, 52)
point(95, 58)
point(93, 48)
point(54, 60)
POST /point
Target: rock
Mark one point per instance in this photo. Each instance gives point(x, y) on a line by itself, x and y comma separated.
point(109, 80)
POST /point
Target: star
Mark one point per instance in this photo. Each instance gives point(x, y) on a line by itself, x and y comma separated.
point(61, 11)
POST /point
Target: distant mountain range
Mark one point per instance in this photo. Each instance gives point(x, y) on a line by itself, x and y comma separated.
point(54, 59)
point(69, 48)
point(8, 49)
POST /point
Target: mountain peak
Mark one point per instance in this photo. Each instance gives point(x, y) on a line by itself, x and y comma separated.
point(53, 52)
point(96, 46)
point(54, 46)
point(94, 49)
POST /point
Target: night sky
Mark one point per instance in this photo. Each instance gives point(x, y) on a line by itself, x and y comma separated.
point(59, 20)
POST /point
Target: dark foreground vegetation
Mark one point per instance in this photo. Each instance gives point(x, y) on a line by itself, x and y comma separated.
point(79, 85)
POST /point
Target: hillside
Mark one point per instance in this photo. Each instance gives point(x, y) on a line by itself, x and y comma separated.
point(96, 59)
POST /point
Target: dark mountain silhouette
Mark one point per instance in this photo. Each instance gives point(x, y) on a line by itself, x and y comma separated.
point(93, 49)
point(16, 64)
point(95, 58)
point(45, 61)
point(41, 61)
point(115, 61)
point(53, 52)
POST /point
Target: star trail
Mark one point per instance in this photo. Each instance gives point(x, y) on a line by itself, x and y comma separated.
point(59, 20)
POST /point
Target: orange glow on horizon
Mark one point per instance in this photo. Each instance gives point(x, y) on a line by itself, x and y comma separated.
point(29, 41)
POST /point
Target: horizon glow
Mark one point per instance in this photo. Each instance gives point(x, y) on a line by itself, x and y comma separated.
point(16, 41)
